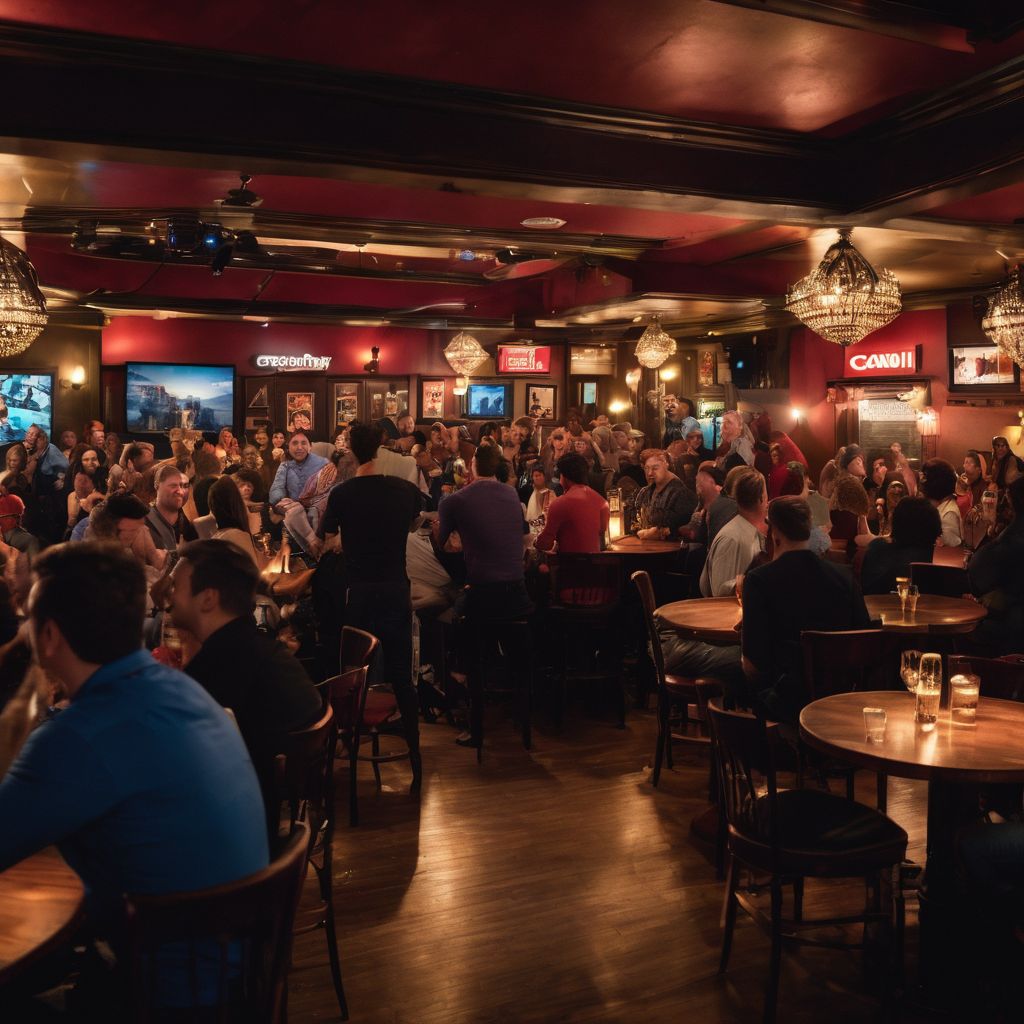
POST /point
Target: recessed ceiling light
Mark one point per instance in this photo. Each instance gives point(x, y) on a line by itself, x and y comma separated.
point(543, 223)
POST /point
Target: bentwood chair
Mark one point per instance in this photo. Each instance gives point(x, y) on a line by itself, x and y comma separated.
point(845, 662)
point(219, 954)
point(942, 580)
point(675, 693)
point(792, 835)
point(309, 791)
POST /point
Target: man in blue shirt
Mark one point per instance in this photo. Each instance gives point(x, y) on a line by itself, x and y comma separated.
point(295, 471)
point(143, 782)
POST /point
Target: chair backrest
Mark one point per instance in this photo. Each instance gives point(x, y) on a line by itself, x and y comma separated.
point(999, 678)
point(346, 694)
point(843, 662)
point(642, 581)
point(585, 581)
point(221, 953)
point(309, 773)
point(748, 784)
point(357, 647)
point(942, 580)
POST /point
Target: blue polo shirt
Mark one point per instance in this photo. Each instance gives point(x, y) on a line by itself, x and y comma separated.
point(144, 783)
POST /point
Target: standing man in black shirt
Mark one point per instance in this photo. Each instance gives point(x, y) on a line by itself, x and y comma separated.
point(374, 515)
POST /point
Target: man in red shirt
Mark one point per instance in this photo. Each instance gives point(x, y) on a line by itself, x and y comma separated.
point(579, 518)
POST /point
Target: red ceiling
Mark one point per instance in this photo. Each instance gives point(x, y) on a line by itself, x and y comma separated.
point(1001, 206)
point(688, 58)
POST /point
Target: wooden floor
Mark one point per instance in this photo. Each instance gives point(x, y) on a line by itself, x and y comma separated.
point(557, 885)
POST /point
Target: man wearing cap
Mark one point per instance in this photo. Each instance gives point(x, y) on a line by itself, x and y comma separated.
point(12, 508)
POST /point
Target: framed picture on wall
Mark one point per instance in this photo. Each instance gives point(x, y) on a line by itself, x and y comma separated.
point(346, 402)
point(982, 368)
point(706, 366)
point(257, 394)
point(376, 401)
point(540, 402)
point(299, 410)
point(432, 400)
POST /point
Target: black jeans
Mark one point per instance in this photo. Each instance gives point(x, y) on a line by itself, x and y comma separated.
point(385, 610)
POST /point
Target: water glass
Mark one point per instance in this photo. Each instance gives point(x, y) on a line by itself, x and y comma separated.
point(929, 691)
point(910, 667)
point(902, 586)
point(963, 699)
point(910, 602)
point(874, 724)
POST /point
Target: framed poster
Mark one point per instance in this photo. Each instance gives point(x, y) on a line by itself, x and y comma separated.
point(982, 369)
point(540, 402)
point(432, 400)
point(256, 393)
point(706, 366)
point(299, 410)
point(346, 402)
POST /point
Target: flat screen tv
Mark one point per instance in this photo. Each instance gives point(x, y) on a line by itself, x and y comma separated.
point(164, 395)
point(25, 398)
point(488, 401)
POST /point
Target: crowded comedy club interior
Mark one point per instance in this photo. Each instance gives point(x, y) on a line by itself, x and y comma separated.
point(511, 513)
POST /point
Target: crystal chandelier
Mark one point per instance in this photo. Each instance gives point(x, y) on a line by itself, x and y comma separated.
point(22, 306)
point(464, 354)
point(845, 298)
point(654, 346)
point(1004, 322)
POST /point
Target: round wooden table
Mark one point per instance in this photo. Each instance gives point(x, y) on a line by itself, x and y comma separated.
point(934, 615)
point(40, 904)
point(952, 759)
point(715, 620)
point(634, 546)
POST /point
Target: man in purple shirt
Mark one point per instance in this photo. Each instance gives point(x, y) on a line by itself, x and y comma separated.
point(488, 517)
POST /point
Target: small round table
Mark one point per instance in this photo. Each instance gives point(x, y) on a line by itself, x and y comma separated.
point(935, 615)
point(40, 904)
point(952, 759)
point(715, 620)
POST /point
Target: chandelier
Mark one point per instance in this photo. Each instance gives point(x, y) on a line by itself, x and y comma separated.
point(654, 346)
point(845, 298)
point(464, 354)
point(1004, 322)
point(22, 306)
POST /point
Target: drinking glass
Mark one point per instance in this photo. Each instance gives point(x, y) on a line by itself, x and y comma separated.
point(874, 724)
point(910, 606)
point(929, 690)
point(910, 667)
point(902, 586)
point(963, 699)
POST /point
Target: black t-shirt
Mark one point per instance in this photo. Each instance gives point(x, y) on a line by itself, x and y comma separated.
point(374, 514)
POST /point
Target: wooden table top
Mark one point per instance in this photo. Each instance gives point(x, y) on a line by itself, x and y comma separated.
point(711, 619)
point(992, 751)
point(40, 902)
point(934, 614)
point(634, 546)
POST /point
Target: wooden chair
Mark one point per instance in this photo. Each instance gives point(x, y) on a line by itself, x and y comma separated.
point(309, 790)
point(845, 662)
point(674, 692)
point(942, 580)
point(224, 951)
point(357, 647)
point(586, 611)
point(791, 835)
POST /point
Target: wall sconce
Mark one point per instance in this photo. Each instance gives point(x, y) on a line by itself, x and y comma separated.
point(373, 366)
point(928, 422)
point(617, 406)
point(76, 381)
point(798, 414)
point(461, 386)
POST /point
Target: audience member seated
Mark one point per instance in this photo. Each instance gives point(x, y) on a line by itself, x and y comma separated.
point(889, 495)
point(298, 467)
point(166, 520)
point(797, 590)
point(915, 529)
point(848, 511)
point(432, 587)
point(996, 572)
point(737, 447)
point(45, 469)
point(578, 520)
point(143, 781)
point(129, 475)
point(716, 507)
point(121, 519)
point(12, 508)
point(489, 520)
point(739, 541)
point(212, 595)
point(232, 518)
point(13, 479)
point(540, 497)
point(666, 503)
point(938, 484)
point(679, 419)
